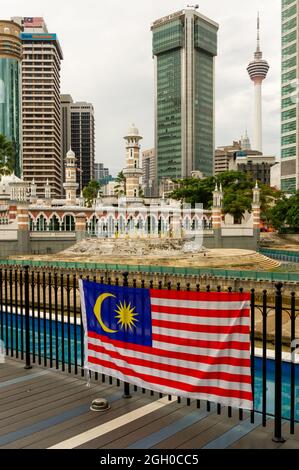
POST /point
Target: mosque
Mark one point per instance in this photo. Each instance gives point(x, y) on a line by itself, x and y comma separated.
point(29, 224)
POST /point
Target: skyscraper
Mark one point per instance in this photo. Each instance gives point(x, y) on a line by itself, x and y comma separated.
point(42, 55)
point(149, 172)
point(184, 48)
point(10, 86)
point(101, 173)
point(83, 140)
point(78, 133)
point(290, 97)
point(258, 69)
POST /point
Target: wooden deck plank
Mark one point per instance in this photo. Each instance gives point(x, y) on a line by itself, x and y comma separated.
point(209, 434)
point(286, 431)
point(56, 407)
point(7, 371)
point(126, 435)
point(17, 389)
point(290, 444)
point(195, 435)
point(34, 413)
point(20, 397)
point(261, 438)
point(58, 404)
point(257, 439)
point(32, 398)
point(69, 392)
point(77, 425)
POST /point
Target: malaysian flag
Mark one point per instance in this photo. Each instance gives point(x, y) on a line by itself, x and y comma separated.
point(191, 344)
point(33, 22)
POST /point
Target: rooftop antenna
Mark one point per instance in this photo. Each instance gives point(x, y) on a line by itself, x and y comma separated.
point(258, 32)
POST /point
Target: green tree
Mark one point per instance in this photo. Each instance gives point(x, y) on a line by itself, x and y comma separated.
point(193, 190)
point(90, 192)
point(237, 201)
point(237, 187)
point(7, 155)
point(292, 217)
point(140, 192)
point(120, 187)
point(284, 215)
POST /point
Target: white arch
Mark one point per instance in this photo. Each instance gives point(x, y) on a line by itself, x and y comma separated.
point(164, 224)
point(187, 225)
point(57, 217)
point(122, 223)
point(151, 224)
point(43, 214)
point(102, 227)
point(111, 225)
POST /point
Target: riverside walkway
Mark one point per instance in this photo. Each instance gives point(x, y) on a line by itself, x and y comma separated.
point(43, 408)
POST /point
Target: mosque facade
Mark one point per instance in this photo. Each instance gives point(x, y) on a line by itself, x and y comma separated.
point(29, 224)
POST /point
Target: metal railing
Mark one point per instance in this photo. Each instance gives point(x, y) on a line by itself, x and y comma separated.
point(40, 323)
point(281, 255)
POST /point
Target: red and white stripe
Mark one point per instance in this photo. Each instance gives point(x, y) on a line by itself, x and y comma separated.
point(200, 348)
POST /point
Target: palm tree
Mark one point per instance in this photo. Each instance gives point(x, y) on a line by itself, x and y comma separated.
point(91, 192)
point(140, 192)
point(120, 187)
point(7, 155)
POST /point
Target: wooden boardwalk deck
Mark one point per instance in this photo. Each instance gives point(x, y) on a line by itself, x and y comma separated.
point(43, 408)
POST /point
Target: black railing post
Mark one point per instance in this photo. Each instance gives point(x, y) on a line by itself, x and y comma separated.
point(126, 384)
point(278, 364)
point(27, 319)
point(252, 348)
point(293, 377)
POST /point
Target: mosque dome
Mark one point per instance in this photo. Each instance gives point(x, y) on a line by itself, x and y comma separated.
point(133, 134)
point(133, 130)
point(71, 153)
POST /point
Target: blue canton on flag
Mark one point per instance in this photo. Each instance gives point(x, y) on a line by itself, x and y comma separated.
point(120, 313)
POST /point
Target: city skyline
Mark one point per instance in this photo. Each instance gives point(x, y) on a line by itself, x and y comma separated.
point(122, 94)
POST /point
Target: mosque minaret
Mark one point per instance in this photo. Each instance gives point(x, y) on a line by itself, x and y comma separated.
point(132, 172)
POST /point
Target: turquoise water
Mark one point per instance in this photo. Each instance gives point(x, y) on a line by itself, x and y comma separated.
point(75, 345)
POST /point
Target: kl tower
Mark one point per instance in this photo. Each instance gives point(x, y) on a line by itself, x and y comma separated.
point(258, 69)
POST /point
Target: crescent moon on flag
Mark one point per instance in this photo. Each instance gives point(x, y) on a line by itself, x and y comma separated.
point(97, 311)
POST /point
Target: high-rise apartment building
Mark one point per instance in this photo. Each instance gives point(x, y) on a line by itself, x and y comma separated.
point(101, 173)
point(41, 121)
point(10, 87)
point(83, 140)
point(184, 48)
point(78, 133)
point(149, 172)
point(290, 97)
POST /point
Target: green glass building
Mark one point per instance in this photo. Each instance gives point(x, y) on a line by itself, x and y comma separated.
point(290, 97)
point(10, 86)
point(184, 49)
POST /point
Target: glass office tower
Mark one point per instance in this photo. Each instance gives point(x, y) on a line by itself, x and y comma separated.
point(184, 48)
point(10, 87)
point(290, 97)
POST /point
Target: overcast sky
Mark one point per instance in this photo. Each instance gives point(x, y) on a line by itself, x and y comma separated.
point(108, 61)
